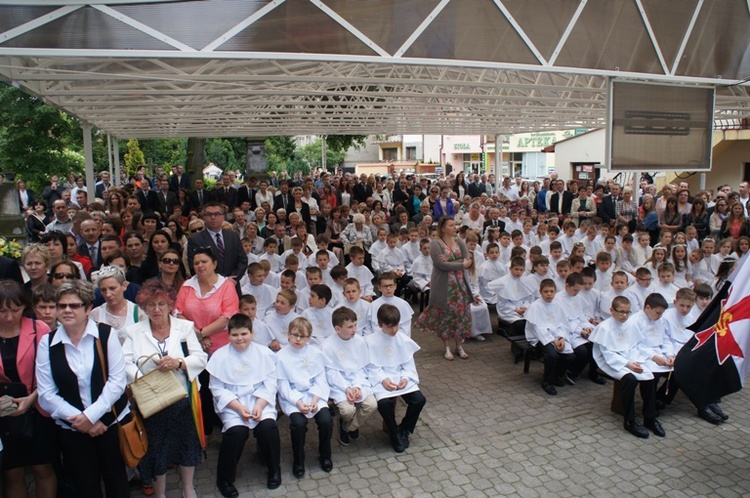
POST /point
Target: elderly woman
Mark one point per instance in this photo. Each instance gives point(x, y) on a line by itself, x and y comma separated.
point(357, 233)
point(627, 209)
point(20, 335)
point(84, 395)
point(172, 435)
point(474, 219)
point(35, 259)
point(117, 312)
point(208, 300)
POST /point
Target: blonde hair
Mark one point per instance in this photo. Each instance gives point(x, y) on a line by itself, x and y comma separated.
point(301, 325)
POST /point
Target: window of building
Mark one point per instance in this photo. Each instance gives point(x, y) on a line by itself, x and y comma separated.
point(390, 154)
point(411, 153)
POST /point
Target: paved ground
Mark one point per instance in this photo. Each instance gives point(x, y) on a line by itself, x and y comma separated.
point(490, 430)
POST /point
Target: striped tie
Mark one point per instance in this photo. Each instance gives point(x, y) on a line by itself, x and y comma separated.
point(220, 246)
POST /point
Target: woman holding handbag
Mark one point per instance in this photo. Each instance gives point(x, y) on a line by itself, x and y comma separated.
point(166, 343)
point(80, 374)
point(36, 447)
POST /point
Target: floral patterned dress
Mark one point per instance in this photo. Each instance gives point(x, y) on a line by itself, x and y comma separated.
point(454, 321)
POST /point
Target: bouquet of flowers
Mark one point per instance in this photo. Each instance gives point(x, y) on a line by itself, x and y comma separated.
point(10, 248)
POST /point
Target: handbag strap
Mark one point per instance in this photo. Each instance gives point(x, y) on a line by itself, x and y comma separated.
point(148, 358)
point(100, 353)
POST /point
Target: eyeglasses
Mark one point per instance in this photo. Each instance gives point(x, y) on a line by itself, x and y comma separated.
point(389, 286)
point(622, 312)
point(170, 261)
point(213, 215)
point(196, 230)
point(72, 306)
point(60, 276)
point(648, 279)
point(299, 336)
point(153, 306)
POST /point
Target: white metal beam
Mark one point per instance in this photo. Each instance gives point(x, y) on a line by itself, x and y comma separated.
point(143, 28)
point(566, 33)
point(249, 20)
point(421, 28)
point(651, 35)
point(521, 33)
point(685, 38)
point(350, 28)
point(38, 22)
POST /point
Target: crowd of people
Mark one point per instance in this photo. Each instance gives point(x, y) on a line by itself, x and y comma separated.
point(294, 295)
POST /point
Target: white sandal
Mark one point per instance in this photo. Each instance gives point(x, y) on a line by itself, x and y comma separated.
point(448, 355)
point(461, 353)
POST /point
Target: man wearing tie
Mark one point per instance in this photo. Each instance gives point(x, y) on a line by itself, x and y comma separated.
point(90, 247)
point(562, 200)
point(179, 180)
point(226, 245)
point(494, 221)
point(226, 193)
point(167, 199)
point(284, 199)
point(246, 192)
point(199, 197)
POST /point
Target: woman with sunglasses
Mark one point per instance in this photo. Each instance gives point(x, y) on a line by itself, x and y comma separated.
point(63, 271)
point(85, 396)
point(20, 335)
point(116, 311)
point(158, 243)
point(171, 270)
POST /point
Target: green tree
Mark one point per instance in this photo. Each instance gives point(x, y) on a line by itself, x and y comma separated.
point(340, 143)
point(134, 158)
point(280, 150)
point(227, 154)
point(312, 154)
point(33, 138)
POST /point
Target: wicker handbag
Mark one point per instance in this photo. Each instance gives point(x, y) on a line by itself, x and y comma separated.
point(156, 390)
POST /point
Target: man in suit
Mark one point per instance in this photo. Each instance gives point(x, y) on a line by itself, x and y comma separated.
point(149, 199)
point(167, 199)
point(283, 241)
point(103, 185)
point(199, 197)
point(562, 200)
point(179, 180)
point(493, 221)
point(246, 193)
point(606, 209)
point(476, 188)
point(362, 190)
point(226, 245)
point(283, 200)
point(225, 193)
point(90, 246)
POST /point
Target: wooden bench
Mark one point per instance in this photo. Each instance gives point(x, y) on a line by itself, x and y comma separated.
point(521, 348)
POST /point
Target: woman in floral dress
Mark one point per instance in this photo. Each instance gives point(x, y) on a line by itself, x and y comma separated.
point(449, 312)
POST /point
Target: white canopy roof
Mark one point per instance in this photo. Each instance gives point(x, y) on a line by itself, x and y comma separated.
point(256, 68)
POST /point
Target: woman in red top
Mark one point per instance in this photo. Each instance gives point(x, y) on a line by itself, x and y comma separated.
point(18, 339)
point(208, 300)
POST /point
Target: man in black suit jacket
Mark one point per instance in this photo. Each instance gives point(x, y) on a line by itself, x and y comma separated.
point(284, 200)
point(246, 193)
point(167, 199)
point(199, 197)
point(179, 180)
point(225, 193)
point(90, 246)
point(476, 188)
point(231, 264)
point(103, 185)
point(494, 221)
point(362, 190)
point(567, 200)
point(606, 209)
point(149, 199)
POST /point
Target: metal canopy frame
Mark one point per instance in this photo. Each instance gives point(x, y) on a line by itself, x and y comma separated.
point(256, 68)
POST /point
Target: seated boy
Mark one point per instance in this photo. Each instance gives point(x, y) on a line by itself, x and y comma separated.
point(296, 250)
point(666, 286)
point(619, 286)
point(393, 374)
point(353, 300)
point(314, 277)
point(513, 296)
point(254, 285)
point(421, 268)
point(271, 255)
point(387, 286)
point(603, 271)
point(319, 314)
point(357, 269)
point(547, 328)
point(618, 353)
point(392, 259)
point(346, 372)
point(639, 292)
point(279, 318)
point(261, 333)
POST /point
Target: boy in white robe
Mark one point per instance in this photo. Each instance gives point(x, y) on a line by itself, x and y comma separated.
point(319, 314)
point(387, 285)
point(303, 394)
point(618, 353)
point(271, 255)
point(253, 284)
point(488, 271)
point(590, 295)
point(339, 276)
point(421, 268)
point(297, 246)
point(244, 384)
point(314, 277)
point(279, 318)
point(638, 292)
point(513, 297)
point(603, 271)
point(346, 373)
point(547, 328)
point(411, 249)
point(666, 286)
point(655, 337)
point(261, 333)
point(580, 329)
point(618, 287)
point(357, 269)
point(272, 278)
point(376, 248)
point(393, 374)
point(392, 259)
point(353, 300)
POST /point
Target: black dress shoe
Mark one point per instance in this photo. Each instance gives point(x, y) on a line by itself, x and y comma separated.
point(559, 382)
point(274, 479)
point(598, 379)
point(354, 435)
point(326, 464)
point(227, 489)
point(636, 429)
point(549, 388)
point(718, 411)
point(709, 416)
point(404, 436)
point(298, 470)
point(398, 444)
point(654, 426)
point(343, 434)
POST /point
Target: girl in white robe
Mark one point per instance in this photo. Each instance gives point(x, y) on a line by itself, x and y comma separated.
point(303, 394)
point(243, 384)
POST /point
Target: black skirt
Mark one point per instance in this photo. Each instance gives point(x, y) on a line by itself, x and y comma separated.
point(42, 448)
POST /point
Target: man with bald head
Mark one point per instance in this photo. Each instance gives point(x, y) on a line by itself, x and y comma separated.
point(90, 247)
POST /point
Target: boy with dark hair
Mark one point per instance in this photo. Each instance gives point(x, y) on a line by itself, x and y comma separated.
point(319, 313)
point(387, 286)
